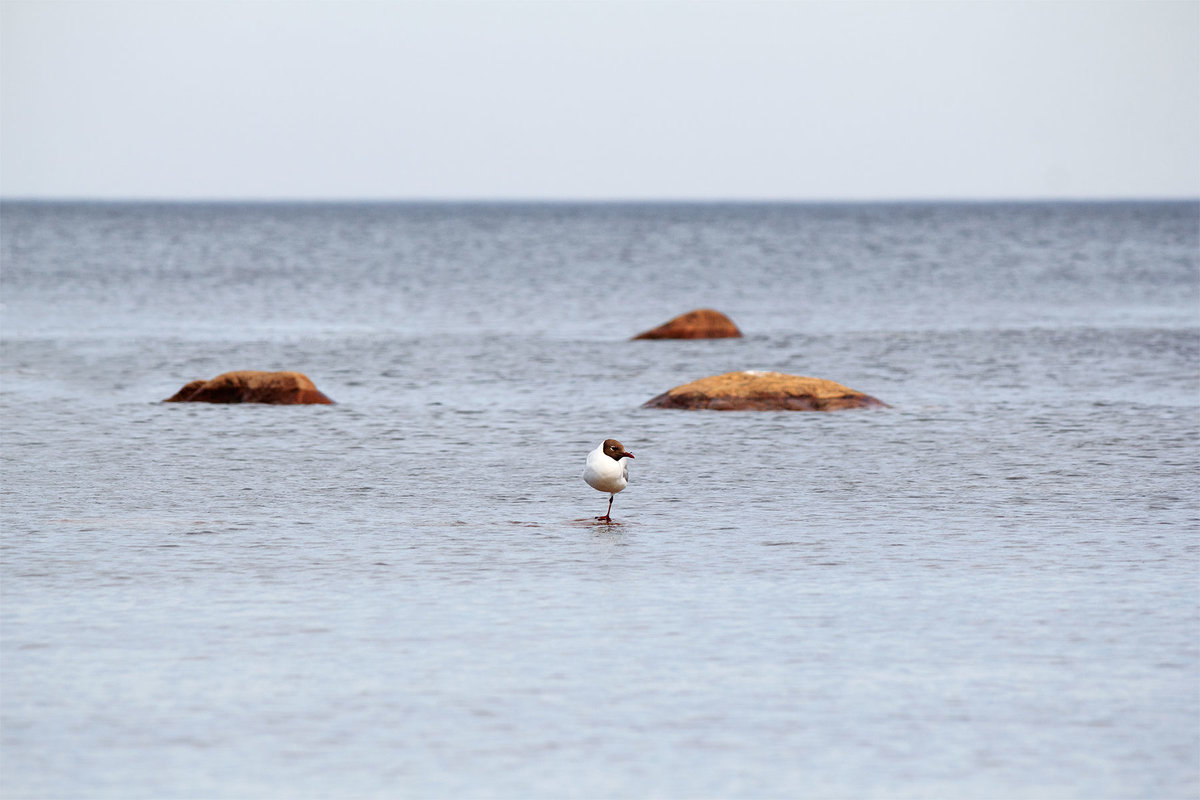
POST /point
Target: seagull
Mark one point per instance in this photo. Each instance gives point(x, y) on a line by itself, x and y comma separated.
point(605, 472)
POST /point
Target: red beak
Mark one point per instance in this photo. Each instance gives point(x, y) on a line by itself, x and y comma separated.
point(627, 454)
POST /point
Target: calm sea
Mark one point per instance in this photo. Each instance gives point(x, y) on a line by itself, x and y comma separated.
point(989, 590)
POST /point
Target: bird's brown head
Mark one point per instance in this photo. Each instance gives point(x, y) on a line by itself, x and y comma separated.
point(615, 450)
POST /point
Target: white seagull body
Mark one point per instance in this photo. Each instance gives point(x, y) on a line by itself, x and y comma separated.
point(606, 472)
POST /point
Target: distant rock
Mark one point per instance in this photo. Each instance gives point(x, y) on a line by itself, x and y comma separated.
point(253, 386)
point(763, 391)
point(703, 323)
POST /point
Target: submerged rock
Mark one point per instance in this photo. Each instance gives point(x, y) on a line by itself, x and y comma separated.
point(703, 323)
point(253, 386)
point(763, 391)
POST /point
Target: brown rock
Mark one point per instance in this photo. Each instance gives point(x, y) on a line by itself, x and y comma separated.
point(252, 386)
point(187, 391)
point(763, 391)
point(703, 323)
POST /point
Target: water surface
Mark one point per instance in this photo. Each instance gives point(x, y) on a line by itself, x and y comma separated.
point(989, 589)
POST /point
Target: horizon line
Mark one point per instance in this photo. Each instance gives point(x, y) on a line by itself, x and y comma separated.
point(565, 200)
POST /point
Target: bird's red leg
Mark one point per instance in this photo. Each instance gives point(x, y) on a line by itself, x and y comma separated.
point(607, 514)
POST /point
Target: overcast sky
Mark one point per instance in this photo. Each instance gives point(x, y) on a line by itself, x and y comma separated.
point(599, 100)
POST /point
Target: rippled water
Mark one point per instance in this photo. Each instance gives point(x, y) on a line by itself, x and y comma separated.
point(988, 590)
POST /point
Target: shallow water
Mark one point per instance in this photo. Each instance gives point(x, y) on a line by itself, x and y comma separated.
point(987, 590)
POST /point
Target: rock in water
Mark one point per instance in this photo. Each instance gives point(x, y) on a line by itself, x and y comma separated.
point(253, 386)
point(763, 391)
point(703, 323)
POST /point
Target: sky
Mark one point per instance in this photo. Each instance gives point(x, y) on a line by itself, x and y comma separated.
point(600, 100)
